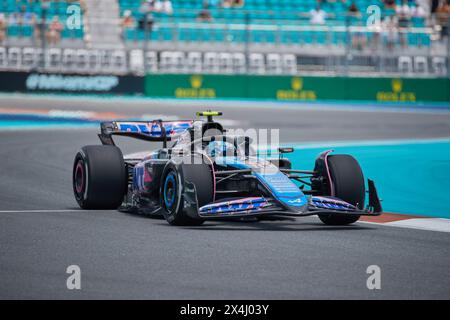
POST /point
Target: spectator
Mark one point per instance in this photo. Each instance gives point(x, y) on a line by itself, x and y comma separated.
point(54, 31)
point(163, 6)
point(353, 10)
point(389, 4)
point(442, 16)
point(390, 33)
point(167, 7)
point(317, 16)
point(14, 19)
point(424, 5)
point(204, 14)
point(358, 38)
point(434, 5)
point(232, 3)
point(418, 11)
point(3, 27)
point(227, 3)
point(27, 16)
point(403, 12)
point(147, 8)
point(127, 20)
point(37, 27)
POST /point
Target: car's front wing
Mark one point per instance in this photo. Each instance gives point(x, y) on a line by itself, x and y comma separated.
point(258, 206)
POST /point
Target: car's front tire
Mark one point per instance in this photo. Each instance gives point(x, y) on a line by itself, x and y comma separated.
point(172, 188)
point(99, 177)
point(348, 184)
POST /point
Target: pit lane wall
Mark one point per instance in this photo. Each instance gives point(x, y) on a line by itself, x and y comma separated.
point(287, 88)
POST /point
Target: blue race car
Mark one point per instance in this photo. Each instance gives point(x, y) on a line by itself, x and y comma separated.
point(207, 174)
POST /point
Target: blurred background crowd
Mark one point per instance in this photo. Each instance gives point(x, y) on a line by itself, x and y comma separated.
point(347, 28)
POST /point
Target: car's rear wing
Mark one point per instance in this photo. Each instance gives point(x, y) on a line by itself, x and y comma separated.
point(156, 130)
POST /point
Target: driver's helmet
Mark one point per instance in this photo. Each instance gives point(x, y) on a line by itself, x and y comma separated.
point(220, 149)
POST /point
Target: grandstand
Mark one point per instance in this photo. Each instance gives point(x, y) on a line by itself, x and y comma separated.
point(24, 18)
point(281, 22)
point(248, 36)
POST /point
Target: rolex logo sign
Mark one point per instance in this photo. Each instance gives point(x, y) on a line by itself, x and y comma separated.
point(397, 93)
point(297, 84)
point(196, 89)
point(397, 85)
point(196, 82)
point(296, 91)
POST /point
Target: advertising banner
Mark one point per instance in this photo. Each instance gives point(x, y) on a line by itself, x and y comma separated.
point(70, 83)
point(295, 88)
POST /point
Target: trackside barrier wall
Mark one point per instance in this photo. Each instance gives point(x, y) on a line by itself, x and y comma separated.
point(281, 88)
point(287, 88)
point(70, 83)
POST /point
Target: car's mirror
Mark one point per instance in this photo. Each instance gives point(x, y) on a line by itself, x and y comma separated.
point(285, 150)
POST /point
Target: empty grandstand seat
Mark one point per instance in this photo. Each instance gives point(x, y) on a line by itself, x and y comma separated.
point(15, 57)
point(69, 59)
point(225, 62)
point(137, 61)
point(194, 61)
point(151, 61)
point(256, 63)
point(29, 59)
point(239, 62)
point(82, 60)
point(3, 57)
point(172, 61)
point(211, 62)
point(289, 63)
point(420, 64)
point(118, 61)
point(94, 61)
point(105, 60)
point(40, 56)
point(439, 65)
point(54, 59)
point(405, 64)
point(274, 63)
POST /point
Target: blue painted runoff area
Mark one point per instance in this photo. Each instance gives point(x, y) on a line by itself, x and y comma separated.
point(412, 177)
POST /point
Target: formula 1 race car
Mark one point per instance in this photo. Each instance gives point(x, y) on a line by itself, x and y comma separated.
point(208, 174)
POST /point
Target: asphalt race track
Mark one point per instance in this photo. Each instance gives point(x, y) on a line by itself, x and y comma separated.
point(42, 231)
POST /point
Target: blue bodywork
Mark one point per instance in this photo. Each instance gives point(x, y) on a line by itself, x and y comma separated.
point(280, 186)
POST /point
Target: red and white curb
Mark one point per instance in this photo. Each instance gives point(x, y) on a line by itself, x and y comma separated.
point(410, 222)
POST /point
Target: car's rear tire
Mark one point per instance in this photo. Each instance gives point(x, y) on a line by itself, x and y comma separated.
point(172, 185)
point(99, 177)
point(348, 182)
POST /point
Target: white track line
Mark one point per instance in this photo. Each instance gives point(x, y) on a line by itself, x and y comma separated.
point(39, 211)
point(432, 224)
point(426, 224)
